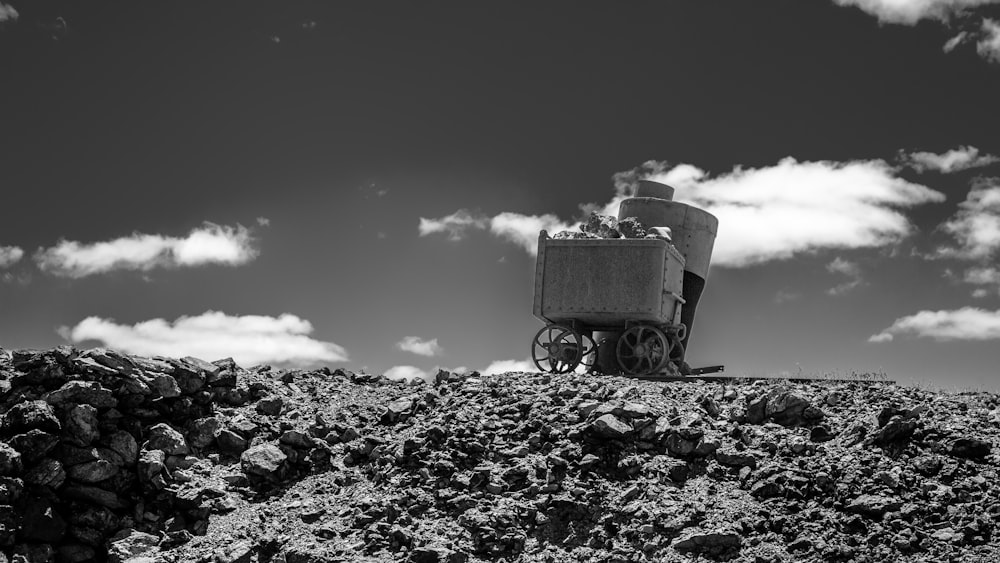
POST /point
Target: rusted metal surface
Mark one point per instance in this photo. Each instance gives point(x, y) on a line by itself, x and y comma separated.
point(693, 230)
point(606, 282)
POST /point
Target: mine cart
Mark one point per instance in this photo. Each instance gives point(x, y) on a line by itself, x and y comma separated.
point(625, 305)
point(629, 289)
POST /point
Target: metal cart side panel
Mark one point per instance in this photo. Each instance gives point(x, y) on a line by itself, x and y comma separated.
point(605, 282)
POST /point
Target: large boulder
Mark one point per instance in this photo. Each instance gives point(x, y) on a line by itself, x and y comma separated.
point(10, 460)
point(398, 410)
point(150, 464)
point(34, 444)
point(970, 448)
point(264, 462)
point(164, 385)
point(104, 467)
point(712, 543)
point(130, 544)
point(82, 392)
point(204, 431)
point(94, 495)
point(610, 427)
point(782, 406)
point(164, 437)
point(81, 428)
point(123, 444)
point(30, 415)
point(47, 473)
point(874, 506)
point(270, 406)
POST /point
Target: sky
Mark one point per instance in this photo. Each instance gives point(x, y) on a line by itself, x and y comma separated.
point(361, 184)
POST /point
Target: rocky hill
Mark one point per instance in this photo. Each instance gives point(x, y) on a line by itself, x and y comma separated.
point(110, 457)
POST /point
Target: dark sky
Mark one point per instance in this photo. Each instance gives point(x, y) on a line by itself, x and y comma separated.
point(345, 123)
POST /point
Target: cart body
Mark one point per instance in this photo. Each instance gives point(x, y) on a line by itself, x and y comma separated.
point(606, 284)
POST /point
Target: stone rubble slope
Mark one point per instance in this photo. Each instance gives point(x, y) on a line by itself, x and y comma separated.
point(110, 457)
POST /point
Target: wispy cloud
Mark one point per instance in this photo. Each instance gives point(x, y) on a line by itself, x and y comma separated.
point(505, 366)
point(518, 228)
point(846, 268)
point(10, 255)
point(967, 323)
point(7, 13)
point(765, 214)
point(955, 41)
point(949, 13)
point(909, 12)
point(249, 339)
point(962, 158)
point(416, 345)
point(786, 296)
point(523, 230)
point(976, 225)
point(407, 373)
point(982, 276)
point(455, 226)
point(988, 40)
point(777, 212)
point(208, 244)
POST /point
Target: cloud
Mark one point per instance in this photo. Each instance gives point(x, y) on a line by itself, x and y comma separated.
point(518, 228)
point(881, 337)
point(7, 13)
point(847, 268)
point(208, 244)
point(505, 366)
point(786, 295)
point(967, 323)
point(523, 229)
point(954, 160)
point(950, 13)
point(455, 225)
point(982, 276)
point(909, 12)
point(988, 41)
point(10, 255)
point(954, 42)
point(776, 212)
point(985, 275)
point(770, 213)
point(249, 339)
point(263, 222)
point(407, 373)
point(976, 225)
point(420, 347)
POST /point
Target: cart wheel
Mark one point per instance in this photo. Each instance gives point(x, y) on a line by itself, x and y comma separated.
point(589, 356)
point(557, 349)
point(643, 350)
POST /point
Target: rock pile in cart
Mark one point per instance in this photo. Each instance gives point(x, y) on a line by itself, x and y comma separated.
point(606, 226)
point(107, 456)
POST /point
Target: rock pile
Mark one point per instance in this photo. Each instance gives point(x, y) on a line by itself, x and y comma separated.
point(606, 226)
point(95, 448)
point(272, 465)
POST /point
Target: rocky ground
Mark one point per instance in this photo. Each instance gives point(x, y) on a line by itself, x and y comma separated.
point(121, 458)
